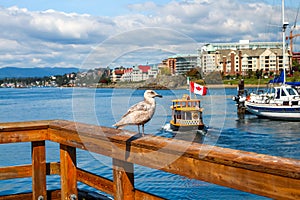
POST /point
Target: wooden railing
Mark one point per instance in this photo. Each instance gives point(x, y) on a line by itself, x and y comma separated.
point(259, 174)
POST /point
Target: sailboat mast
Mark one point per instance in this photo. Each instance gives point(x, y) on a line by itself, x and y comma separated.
point(284, 26)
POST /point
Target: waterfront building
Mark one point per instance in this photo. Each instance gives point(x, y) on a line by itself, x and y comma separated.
point(126, 76)
point(181, 63)
point(242, 57)
point(245, 44)
point(152, 73)
point(116, 75)
point(139, 73)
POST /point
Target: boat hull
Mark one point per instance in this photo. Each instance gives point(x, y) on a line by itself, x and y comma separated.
point(291, 113)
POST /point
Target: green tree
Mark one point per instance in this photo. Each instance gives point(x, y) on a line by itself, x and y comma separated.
point(295, 66)
point(250, 73)
point(194, 73)
point(258, 74)
point(165, 71)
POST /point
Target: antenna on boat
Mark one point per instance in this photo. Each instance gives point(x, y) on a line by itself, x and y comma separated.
point(284, 26)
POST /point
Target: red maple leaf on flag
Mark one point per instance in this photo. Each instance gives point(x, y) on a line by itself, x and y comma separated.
point(198, 88)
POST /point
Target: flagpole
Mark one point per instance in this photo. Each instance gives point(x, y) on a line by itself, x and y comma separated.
point(189, 83)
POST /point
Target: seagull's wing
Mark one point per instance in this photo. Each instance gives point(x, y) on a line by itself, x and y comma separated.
point(141, 106)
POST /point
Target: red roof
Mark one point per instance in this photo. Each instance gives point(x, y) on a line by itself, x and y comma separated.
point(119, 72)
point(128, 70)
point(144, 68)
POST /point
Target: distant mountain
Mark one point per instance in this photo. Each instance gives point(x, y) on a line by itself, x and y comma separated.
point(15, 72)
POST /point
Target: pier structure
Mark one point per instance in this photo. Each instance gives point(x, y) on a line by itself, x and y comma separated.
point(264, 175)
point(241, 109)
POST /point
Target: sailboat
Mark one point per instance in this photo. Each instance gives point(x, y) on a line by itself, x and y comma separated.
point(280, 102)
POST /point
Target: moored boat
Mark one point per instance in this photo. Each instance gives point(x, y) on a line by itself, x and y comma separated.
point(281, 102)
point(186, 114)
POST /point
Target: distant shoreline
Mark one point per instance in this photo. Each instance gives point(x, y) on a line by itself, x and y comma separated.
point(158, 87)
point(232, 86)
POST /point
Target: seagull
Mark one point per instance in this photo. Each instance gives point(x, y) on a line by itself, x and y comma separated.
point(140, 113)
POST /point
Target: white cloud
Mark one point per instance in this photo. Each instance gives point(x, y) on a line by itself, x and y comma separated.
point(128, 47)
point(53, 38)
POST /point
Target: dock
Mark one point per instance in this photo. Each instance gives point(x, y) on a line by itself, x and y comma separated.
point(265, 175)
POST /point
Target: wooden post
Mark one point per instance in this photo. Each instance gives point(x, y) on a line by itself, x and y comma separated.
point(38, 154)
point(68, 173)
point(123, 180)
point(241, 104)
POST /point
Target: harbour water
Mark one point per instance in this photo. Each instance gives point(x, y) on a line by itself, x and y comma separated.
point(105, 106)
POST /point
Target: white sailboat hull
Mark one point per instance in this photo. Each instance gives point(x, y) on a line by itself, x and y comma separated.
point(272, 111)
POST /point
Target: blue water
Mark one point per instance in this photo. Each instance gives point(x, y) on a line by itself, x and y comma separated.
point(105, 106)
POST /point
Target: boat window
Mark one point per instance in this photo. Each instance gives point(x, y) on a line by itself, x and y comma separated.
point(283, 93)
point(291, 91)
point(188, 116)
point(178, 114)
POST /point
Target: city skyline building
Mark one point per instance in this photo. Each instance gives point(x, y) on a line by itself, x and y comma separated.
point(242, 57)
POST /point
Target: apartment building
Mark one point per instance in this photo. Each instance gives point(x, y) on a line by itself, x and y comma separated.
point(239, 58)
point(182, 63)
point(139, 73)
point(118, 74)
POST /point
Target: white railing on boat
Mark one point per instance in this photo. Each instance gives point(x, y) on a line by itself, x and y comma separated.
point(188, 122)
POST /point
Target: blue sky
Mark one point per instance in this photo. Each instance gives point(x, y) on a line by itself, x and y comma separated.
point(93, 33)
point(93, 7)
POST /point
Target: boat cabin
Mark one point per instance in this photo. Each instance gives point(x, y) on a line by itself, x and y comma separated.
point(281, 95)
point(286, 95)
point(186, 114)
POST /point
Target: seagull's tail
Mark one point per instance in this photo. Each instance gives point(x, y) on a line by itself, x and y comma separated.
point(118, 125)
point(121, 123)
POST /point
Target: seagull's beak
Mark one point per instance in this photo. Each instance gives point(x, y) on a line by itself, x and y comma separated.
point(158, 95)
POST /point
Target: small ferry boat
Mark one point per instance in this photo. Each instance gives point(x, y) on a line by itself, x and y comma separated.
point(186, 114)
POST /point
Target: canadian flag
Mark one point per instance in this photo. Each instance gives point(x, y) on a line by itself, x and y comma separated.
point(198, 89)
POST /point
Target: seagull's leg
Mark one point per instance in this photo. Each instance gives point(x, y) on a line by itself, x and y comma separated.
point(139, 129)
point(143, 129)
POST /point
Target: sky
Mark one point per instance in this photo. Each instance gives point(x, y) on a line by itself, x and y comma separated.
point(97, 33)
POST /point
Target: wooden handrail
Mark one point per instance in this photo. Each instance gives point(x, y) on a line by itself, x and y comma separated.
point(265, 175)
